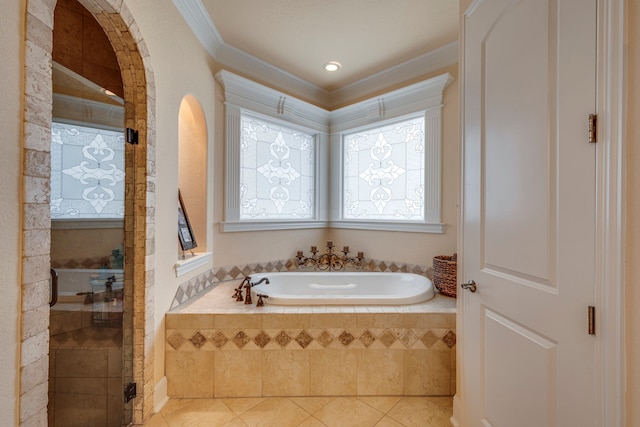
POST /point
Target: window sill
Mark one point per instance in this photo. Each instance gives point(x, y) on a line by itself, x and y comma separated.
point(192, 262)
point(233, 226)
point(414, 227)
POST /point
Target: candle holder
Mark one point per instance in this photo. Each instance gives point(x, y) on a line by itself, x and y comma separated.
point(330, 261)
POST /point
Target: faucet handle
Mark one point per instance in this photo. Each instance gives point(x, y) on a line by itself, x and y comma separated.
point(260, 303)
point(238, 295)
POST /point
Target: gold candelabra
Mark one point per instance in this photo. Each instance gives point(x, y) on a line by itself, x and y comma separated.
point(330, 260)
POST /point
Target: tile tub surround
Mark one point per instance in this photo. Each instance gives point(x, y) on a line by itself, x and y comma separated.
point(217, 347)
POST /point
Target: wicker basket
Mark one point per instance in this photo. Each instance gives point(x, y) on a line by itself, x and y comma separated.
point(444, 274)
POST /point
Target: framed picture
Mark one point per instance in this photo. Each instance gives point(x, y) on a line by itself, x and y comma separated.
point(185, 232)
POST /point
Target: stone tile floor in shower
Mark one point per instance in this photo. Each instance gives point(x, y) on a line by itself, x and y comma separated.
point(307, 412)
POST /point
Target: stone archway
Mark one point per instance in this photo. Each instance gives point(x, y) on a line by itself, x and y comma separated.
point(139, 90)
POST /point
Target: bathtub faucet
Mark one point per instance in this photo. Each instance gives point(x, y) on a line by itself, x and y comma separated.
point(238, 294)
point(249, 285)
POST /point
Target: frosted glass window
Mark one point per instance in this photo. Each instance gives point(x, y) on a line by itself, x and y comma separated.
point(384, 172)
point(277, 171)
point(87, 173)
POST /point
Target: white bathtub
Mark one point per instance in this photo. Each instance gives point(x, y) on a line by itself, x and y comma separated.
point(342, 288)
point(72, 281)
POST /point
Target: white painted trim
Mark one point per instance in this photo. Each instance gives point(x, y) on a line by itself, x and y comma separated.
point(160, 395)
point(422, 65)
point(415, 227)
point(192, 262)
point(410, 99)
point(198, 19)
point(234, 226)
point(455, 422)
point(610, 221)
point(253, 96)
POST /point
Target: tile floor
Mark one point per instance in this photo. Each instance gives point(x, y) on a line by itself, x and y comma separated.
point(376, 411)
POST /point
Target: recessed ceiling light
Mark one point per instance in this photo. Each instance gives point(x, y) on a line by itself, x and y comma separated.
point(108, 92)
point(332, 66)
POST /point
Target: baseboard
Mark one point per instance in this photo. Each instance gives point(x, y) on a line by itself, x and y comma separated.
point(160, 396)
point(457, 407)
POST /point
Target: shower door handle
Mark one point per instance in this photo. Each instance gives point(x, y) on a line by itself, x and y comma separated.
point(470, 285)
point(54, 287)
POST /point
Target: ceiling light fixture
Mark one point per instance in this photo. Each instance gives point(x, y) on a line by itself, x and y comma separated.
point(332, 66)
point(108, 92)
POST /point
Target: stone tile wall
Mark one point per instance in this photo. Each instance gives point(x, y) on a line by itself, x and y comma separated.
point(139, 90)
point(311, 354)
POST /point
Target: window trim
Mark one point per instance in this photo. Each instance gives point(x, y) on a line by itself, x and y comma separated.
point(420, 98)
point(329, 126)
point(245, 95)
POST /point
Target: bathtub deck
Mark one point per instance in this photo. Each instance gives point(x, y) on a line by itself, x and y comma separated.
point(218, 300)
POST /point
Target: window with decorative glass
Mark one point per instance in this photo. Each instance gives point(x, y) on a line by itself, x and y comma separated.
point(374, 164)
point(384, 172)
point(87, 173)
point(277, 171)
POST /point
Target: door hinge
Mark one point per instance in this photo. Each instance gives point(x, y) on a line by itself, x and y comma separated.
point(592, 320)
point(593, 127)
point(129, 392)
point(132, 136)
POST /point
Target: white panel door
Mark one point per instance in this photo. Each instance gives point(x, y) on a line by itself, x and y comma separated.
point(528, 213)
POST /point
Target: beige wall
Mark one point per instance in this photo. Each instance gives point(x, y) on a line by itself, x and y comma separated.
point(633, 215)
point(12, 54)
point(85, 243)
point(180, 67)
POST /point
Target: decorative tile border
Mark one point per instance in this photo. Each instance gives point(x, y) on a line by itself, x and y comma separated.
point(194, 287)
point(96, 262)
point(310, 339)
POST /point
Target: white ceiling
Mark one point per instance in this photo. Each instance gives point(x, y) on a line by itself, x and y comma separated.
point(365, 36)
point(286, 42)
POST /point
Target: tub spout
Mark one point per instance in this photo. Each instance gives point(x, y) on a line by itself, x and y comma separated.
point(264, 279)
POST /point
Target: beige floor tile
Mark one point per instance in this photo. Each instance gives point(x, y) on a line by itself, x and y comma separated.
point(388, 422)
point(156, 421)
point(240, 405)
point(348, 412)
point(420, 412)
point(203, 412)
point(381, 403)
point(311, 404)
point(312, 422)
point(275, 412)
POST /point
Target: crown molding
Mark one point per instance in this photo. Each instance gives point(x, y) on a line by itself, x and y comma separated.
point(423, 95)
point(198, 19)
point(246, 93)
point(419, 66)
